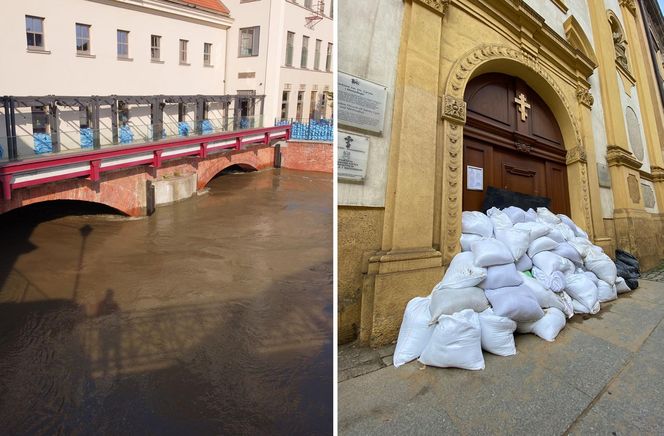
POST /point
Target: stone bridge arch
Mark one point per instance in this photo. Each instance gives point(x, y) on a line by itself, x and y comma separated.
point(253, 160)
point(488, 58)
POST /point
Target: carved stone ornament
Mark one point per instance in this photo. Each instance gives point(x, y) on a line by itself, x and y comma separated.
point(576, 154)
point(584, 96)
point(657, 173)
point(454, 109)
point(524, 148)
point(630, 5)
point(617, 156)
point(439, 6)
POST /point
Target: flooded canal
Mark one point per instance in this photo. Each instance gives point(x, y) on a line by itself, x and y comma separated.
point(212, 316)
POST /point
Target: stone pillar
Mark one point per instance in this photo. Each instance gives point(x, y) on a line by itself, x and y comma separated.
point(408, 265)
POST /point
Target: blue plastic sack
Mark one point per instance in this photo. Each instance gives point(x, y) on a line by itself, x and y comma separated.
point(86, 138)
point(43, 143)
point(183, 128)
point(126, 135)
point(206, 127)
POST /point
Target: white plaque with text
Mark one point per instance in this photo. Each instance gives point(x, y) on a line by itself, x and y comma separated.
point(474, 178)
point(352, 156)
point(361, 104)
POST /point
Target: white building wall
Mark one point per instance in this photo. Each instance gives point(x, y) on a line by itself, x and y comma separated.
point(61, 71)
point(369, 48)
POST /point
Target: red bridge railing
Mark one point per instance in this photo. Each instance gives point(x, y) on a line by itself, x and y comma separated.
point(90, 164)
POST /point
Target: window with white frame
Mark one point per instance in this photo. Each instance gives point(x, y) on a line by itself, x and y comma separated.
point(249, 38)
point(123, 44)
point(155, 47)
point(34, 30)
point(317, 55)
point(207, 54)
point(183, 51)
point(305, 52)
point(82, 38)
point(290, 46)
point(328, 61)
point(284, 104)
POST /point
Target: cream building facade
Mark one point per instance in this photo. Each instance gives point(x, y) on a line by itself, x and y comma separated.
point(594, 119)
point(283, 49)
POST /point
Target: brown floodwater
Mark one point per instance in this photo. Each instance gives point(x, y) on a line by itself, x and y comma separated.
point(212, 316)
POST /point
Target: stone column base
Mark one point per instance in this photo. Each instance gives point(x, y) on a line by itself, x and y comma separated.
point(640, 233)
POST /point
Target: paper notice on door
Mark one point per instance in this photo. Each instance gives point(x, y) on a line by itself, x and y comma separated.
point(474, 178)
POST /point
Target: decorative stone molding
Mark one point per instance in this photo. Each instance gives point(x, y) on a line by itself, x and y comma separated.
point(584, 96)
point(630, 5)
point(617, 156)
point(657, 173)
point(454, 109)
point(464, 67)
point(439, 6)
point(586, 200)
point(453, 177)
point(576, 154)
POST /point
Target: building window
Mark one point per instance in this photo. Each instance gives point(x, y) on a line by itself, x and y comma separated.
point(308, 4)
point(183, 51)
point(155, 47)
point(249, 38)
point(290, 42)
point(331, 8)
point(317, 55)
point(284, 104)
point(123, 44)
point(82, 38)
point(328, 61)
point(312, 105)
point(207, 54)
point(305, 52)
point(300, 103)
point(34, 29)
point(39, 119)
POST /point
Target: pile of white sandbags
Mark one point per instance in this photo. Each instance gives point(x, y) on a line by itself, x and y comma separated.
point(522, 271)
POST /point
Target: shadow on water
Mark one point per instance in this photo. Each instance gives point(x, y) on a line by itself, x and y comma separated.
point(126, 359)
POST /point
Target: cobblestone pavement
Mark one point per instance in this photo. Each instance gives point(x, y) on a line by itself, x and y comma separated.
point(655, 274)
point(602, 375)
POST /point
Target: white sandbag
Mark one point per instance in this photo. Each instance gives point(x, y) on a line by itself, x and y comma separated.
point(500, 276)
point(476, 223)
point(524, 263)
point(415, 331)
point(582, 245)
point(554, 281)
point(602, 266)
point(572, 225)
point(580, 308)
point(449, 301)
point(568, 306)
point(556, 235)
point(499, 219)
point(606, 292)
point(582, 289)
point(497, 333)
point(531, 216)
point(591, 275)
point(467, 239)
point(621, 286)
point(516, 240)
point(516, 215)
point(462, 272)
point(455, 342)
point(517, 303)
point(569, 267)
point(541, 244)
point(546, 327)
point(545, 216)
point(545, 297)
point(489, 252)
point(537, 230)
point(549, 262)
point(564, 231)
point(565, 250)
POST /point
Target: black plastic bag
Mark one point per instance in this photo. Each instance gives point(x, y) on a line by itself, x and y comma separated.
point(632, 283)
point(628, 259)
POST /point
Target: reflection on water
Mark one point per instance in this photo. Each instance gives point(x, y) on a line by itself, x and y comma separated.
point(212, 316)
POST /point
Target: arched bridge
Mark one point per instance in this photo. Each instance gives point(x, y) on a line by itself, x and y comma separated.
point(124, 177)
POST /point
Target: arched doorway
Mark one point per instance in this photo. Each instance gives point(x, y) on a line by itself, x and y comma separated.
point(513, 140)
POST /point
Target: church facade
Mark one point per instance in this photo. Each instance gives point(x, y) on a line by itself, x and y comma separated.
point(553, 98)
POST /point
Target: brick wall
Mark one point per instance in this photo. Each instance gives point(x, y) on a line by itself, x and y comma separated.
point(307, 156)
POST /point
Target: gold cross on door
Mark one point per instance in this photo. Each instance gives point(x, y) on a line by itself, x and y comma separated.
point(523, 105)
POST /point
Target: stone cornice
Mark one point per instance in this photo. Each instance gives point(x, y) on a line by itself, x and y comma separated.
point(439, 6)
point(657, 173)
point(630, 5)
point(618, 156)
